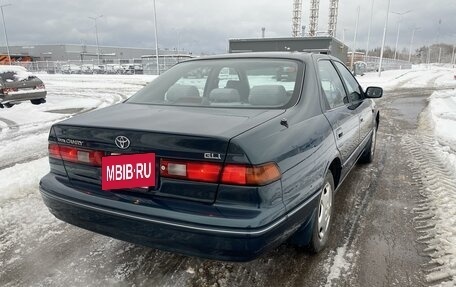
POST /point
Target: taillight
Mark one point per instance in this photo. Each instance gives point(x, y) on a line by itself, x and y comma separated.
point(8, 90)
point(191, 170)
point(40, 87)
point(250, 175)
point(72, 154)
point(233, 174)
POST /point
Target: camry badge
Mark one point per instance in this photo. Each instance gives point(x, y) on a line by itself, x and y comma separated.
point(122, 142)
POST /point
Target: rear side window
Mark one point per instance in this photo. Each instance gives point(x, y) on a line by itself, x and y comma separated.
point(331, 85)
point(8, 76)
point(354, 91)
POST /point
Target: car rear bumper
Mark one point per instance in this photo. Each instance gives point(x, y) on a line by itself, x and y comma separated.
point(23, 96)
point(214, 242)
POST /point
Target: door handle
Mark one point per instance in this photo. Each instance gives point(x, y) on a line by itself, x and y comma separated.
point(361, 119)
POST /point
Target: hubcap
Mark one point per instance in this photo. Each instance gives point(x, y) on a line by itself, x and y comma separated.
point(324, 214)
point(374, 139)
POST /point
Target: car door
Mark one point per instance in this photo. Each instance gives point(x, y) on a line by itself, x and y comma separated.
point(342, 118)
point(359, 104)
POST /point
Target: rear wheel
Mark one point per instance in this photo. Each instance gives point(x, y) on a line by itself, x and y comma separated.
point(323, 216)
point(38, 101)
point(369, 153)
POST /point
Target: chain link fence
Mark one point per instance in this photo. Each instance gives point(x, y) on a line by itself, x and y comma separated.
point(113, 66)
point(362, 64)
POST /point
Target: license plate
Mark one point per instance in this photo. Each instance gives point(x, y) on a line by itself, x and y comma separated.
point(128, 171)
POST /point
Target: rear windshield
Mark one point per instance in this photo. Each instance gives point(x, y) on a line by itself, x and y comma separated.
point(235, 83)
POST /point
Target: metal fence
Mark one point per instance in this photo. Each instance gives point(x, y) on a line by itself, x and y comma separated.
point(112, 66)
point(387, 64)
point(148, 65)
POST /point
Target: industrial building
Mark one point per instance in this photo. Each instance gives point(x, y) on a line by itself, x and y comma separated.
point(323, 45)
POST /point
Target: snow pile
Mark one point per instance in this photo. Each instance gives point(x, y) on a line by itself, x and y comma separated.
point(434, 165)
point(417, 77)
point(442, 108)
point(23, 179)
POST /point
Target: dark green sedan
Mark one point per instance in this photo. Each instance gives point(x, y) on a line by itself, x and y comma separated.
point(226, 165)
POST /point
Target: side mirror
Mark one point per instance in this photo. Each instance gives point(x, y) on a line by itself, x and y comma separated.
point(374, 92)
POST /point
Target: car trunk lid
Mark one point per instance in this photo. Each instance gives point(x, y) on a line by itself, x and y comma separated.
point(170, 133)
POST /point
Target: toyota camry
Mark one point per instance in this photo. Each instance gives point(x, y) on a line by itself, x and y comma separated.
point(226, 165)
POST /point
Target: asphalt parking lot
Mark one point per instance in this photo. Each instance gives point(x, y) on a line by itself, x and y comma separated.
point(373, 240)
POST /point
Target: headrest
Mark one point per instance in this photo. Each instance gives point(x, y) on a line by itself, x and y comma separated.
point(268, 95)
point(224, 96)
point(177, 92)
point(233, 84)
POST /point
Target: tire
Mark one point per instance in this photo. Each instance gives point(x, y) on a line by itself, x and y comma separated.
point(38, 101)
point(323, 216)
point(369, 153)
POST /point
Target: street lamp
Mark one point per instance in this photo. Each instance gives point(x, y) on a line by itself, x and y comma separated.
point(354, 41)
point(96, 34)
point(6, 35)
point(398, 29)
point(383, 40)
point(369, 30)
point(156, 39)
point(411, 42)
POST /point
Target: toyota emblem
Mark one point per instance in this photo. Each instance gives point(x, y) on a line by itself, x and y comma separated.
point(122, 142)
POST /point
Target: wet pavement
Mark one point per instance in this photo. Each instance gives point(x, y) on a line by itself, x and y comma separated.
point(372, 243)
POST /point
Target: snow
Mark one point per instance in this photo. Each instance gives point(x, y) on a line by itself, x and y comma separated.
point(25, 222)
point(436, 161)
point(339, 266)
point(417, 77)
point(20, 73)
point(24, 178)
point(441, 117)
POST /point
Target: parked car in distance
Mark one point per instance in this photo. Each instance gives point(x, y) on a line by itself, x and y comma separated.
point(18, 85)
point(114, 69)
point(70, 69)
point(218, 169)
point(132, 69)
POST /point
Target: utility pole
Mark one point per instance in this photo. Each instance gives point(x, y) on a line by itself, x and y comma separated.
point(354, 41)
point(156, 39)
point(411, 43)
point(383, 40)
point(398, 29)
point(6, 34)
point(370, 26)
point(96, 35)
point(452, 58)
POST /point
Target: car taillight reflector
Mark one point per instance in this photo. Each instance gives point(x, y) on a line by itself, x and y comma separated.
point(233, 174)
point(41, 87)
point(8, 90)
point(190, 170)
point(250, 175)
point(72, 154)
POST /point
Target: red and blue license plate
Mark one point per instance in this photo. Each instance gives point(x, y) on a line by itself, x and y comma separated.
point(128, 171)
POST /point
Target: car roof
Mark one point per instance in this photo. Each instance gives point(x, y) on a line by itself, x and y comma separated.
point(301, 56)
point(12, 68)
point(273, 55)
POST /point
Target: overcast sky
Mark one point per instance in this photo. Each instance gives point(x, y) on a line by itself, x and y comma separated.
point(206, 25)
